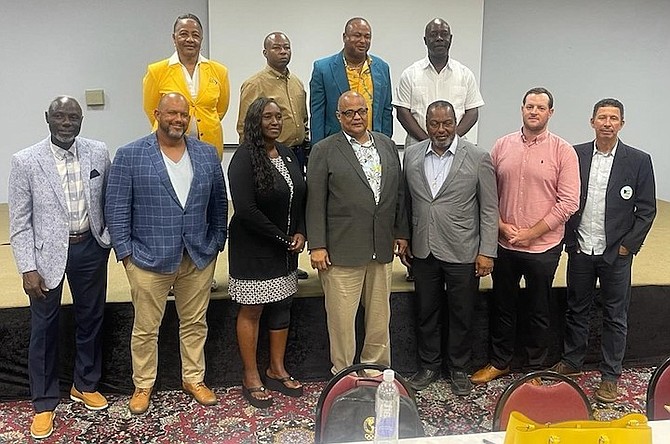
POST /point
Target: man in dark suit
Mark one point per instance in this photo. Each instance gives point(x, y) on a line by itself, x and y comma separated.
point(57, 229)
point(355, 220)
point(453, 198)
point(616, 210)
point(166, 206)
point(350, 69)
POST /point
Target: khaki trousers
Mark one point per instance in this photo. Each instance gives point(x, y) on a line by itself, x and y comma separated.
point(149, 292)
point(345, 288)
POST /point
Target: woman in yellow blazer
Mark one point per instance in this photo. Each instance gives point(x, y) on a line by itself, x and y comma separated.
point(203, 82)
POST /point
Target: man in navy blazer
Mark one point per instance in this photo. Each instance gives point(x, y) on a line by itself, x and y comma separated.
point(167, 208)
point(350, 69)
point(57, 229)
point(617, 207)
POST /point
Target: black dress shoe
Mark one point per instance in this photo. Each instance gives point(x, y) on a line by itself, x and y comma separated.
point(460, 383)
point(422, 379)
point(302, 274)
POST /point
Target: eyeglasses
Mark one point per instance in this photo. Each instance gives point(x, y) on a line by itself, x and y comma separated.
point(350, 113)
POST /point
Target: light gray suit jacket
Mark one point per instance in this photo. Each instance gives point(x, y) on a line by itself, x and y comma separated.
point(341, 212)
point(38, 214)
point(461, 221)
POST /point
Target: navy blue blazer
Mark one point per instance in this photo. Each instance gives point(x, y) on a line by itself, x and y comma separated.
point(144, 216)
point(630, 205)
point(329, 81)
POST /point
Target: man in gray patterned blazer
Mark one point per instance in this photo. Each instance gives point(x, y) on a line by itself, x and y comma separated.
point(56, 225)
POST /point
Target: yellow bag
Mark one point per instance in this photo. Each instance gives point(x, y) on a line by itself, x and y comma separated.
point(630, 429)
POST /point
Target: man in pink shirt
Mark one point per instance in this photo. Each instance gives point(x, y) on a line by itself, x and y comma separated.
point(538, 190)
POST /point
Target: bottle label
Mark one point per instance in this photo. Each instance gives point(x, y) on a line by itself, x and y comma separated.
point(386, 427)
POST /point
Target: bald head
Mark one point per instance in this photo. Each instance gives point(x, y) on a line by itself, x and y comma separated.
point(352, 112)
point(277, 51)
point(170, 99)
point(64, 118)
point(172, 115)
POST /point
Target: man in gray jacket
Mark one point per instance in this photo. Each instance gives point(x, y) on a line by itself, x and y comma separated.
point(56, 228)
point(451, 189)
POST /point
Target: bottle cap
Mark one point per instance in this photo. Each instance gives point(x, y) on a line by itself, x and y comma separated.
point(389, 375)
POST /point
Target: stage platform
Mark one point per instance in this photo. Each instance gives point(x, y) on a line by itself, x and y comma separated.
point(307, 354)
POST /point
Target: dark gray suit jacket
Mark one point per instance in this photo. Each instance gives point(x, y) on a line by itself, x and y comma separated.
point(627, 221)
point(461, 221)
point(341, 212)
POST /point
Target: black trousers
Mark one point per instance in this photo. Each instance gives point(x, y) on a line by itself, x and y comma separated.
point(86, 272)
point(615, 280)
point(538, 270)
point(442, 312)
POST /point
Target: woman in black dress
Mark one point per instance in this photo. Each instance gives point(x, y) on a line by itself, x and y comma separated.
point(266, 234)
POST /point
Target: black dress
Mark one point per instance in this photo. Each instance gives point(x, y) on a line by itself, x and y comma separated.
point(262, 270)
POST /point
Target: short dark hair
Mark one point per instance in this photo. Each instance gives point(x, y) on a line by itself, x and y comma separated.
point(188, 16)
point(440, 104)
point(352, 20)
point(539, 90)
point(608, 102)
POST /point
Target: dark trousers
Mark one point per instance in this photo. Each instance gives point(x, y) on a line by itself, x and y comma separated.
point(615, 281)
point(86, 272)
point(438, 310)
point(538, 270)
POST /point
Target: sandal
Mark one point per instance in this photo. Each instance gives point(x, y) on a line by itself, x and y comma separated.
point(259, 403)
point(279, 385)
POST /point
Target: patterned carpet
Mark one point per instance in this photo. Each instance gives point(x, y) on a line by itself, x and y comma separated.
point(175, 418)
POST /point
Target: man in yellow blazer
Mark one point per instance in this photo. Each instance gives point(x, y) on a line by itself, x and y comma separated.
point(203, 82)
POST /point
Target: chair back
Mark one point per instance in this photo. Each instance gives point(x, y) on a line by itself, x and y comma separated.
point(658, 392)
point(558, 398)
point(345, 381)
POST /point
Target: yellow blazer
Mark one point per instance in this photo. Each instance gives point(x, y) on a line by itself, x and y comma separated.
point(209, 106)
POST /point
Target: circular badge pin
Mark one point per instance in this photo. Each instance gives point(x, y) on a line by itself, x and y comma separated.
point(626, 192)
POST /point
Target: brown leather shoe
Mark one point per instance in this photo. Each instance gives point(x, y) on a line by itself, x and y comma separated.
point(139, 402)
point(488, 374)
point(43, 425)
point(92, 400)
point(607, 391)
point(534, 381)
point(200, 392)
point(564, 369)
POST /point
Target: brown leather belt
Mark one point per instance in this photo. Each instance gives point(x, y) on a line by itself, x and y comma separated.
point(81, 237)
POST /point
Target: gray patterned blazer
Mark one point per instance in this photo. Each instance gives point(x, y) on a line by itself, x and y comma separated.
point(38, 213)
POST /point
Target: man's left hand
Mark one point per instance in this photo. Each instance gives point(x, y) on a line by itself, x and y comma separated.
point(623, 251)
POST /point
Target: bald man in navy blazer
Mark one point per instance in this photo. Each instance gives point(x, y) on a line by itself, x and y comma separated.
point(616, 209)
point(331, 78)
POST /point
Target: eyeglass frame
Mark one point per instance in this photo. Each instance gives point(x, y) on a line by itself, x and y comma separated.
point(351, 113)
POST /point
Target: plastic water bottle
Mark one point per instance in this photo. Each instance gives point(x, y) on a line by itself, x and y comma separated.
point(387, 409)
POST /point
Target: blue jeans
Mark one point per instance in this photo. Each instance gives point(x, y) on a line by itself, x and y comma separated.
point(583, 271)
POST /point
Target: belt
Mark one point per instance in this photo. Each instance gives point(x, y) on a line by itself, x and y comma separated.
point(80, 237)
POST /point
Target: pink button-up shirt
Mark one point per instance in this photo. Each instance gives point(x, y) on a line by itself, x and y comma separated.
point(537, 180)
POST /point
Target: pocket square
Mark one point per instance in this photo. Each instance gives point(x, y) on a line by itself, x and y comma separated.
point(94, 174)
